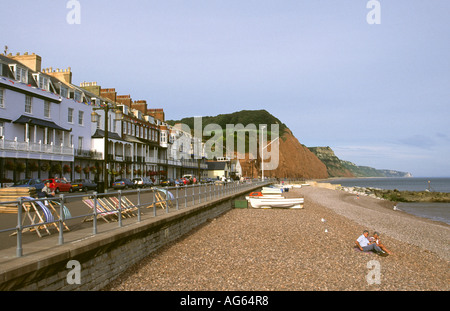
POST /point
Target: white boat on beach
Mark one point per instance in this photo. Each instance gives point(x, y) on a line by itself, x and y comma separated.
point(262, 202)
point(271, 190)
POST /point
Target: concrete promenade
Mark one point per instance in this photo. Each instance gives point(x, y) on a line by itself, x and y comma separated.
point(90, 249)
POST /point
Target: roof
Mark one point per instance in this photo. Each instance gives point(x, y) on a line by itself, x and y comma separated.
point(39, 122)
point(216, 166)
point(111, 135)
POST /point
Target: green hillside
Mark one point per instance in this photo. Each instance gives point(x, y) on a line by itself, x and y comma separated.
point(244, 117)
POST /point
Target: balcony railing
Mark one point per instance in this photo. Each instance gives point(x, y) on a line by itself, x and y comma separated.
point(15, 145)
point(82, 153)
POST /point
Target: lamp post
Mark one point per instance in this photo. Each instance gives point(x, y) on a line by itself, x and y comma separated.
point(95, 119)
point(262, 150)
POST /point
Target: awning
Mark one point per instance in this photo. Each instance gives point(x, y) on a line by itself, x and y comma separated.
point(111, 135)
point(39, 122)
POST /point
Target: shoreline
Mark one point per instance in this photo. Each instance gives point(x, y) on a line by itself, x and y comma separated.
point(308, 249)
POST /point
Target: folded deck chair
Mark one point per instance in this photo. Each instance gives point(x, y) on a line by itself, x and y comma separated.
point(41, 213)
point(101, 213)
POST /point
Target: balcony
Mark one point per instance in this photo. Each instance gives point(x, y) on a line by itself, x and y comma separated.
point(29, 147)
point(91, 154)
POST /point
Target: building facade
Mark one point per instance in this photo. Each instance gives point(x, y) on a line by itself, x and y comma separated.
point(50, 127)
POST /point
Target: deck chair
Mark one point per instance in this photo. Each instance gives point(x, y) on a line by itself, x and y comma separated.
point(108, 205)
point(41, 215)
point(55, 207)
point(107, 216)
point(161, 201)
point(127, 205)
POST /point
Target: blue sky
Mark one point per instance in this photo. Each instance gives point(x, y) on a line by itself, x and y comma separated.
point(379, 95)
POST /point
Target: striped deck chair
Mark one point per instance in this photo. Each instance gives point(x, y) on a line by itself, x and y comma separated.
point(128, 202)
point(163, 198)
point(55, 207)
point(112, 207)
point(101, 212)
point(38, 205)
point(129, 208)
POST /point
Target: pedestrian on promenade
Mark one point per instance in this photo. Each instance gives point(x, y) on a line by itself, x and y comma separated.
point(47, 192)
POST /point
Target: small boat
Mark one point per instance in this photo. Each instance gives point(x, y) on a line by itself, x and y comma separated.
point(271, 190)
point(259, 195)
point(262, 202)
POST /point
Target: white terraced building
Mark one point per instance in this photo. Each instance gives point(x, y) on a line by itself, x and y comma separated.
point(42, 121)
point(47, 130)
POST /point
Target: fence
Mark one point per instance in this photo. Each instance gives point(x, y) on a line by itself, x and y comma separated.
point(45, 214)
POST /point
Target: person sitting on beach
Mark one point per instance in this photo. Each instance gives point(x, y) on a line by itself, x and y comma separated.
point(376, 239)
point(365, 245)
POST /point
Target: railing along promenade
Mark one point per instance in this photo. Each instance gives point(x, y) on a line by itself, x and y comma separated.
point(149, 202)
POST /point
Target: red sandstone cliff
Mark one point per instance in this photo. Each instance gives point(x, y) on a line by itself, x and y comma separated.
point(295, 161)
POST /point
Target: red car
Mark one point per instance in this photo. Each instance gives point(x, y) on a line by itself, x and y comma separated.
point(58, 185)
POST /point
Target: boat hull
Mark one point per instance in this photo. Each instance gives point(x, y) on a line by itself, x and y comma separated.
point(295, 203)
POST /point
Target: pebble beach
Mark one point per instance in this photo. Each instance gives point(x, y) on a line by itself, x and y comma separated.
point(309, 249)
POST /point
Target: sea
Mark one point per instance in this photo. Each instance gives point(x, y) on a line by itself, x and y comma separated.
point(433, 211)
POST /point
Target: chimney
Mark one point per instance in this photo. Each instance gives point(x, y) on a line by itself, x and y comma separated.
point(32, 61)
point(64, 75)
point(140, 105)
point(156, 113)
point(111, 94)
point(125, 100)
point(91, 87)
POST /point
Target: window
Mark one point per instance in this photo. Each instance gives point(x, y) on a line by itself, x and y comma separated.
point(2, 98)
point(80, 143)
point(44, 83)
point(63, 92)
point(28, 104)
point(2, 129)
point(77, 96)
point(80, 117)
point(20, 73)
point(47, 109)
point(70, 115)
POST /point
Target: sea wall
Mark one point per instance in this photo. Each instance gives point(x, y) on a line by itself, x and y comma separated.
point(103, 257)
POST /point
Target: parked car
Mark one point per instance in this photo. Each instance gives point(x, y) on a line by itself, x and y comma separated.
point(142, 182)
point(167, 182)
point(83, 185)
point(59, 185)
point(30, 182)
point(149, 182)
point(205, 180)
point(123, 183)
